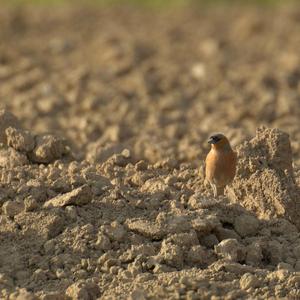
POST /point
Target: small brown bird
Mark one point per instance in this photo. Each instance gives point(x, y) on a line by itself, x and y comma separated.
point(220, 163)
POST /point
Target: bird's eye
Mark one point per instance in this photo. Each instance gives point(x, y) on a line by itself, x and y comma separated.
point(215, 138)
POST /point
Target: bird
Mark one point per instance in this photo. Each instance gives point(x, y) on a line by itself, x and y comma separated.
point(220, 163)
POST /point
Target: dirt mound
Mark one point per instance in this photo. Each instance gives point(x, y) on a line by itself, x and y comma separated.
point(20, 147)
point(265, 180)
point(116, 228)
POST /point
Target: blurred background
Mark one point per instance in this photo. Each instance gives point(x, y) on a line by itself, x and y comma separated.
point(161, 3)
point(154, 76)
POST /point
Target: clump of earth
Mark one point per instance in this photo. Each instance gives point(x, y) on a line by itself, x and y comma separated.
point(103, 127)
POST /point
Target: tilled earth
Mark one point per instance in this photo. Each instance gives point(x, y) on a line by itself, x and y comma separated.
point(103, 128)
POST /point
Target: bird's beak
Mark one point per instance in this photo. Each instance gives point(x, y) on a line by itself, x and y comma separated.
point(211, 141)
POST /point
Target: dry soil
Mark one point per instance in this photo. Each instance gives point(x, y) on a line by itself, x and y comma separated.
point(104, 118)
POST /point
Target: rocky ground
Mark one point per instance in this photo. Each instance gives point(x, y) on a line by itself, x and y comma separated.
point(103, 128)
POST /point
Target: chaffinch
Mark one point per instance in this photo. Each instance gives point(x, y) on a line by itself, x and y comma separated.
point(220, 163)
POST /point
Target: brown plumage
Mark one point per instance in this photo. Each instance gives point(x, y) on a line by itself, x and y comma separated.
point(220, 163)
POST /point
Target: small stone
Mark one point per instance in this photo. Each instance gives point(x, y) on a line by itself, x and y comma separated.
point(185, 280)
point(232, 267)
point(103, 243)
point(48, 149)
point(198, 71)
point(81, 274)
point(209, 241)
point(224, 233)
point(171, 254)
point(274, 252)
point(184, 240)
point(196, 255)
point(248, 281)
point(10, 158)
point(12, 208)
point(79, 196)
point(203, 226)
point(178, 224)
point(7, 119)
point(97, 153)
point(30, 204)
point(103, 258)
point(19, 139)
point(39, 275)
point(50, 226)
point(126, 153)
point(230, 249)
point(170, 180)
point(254, 254)
point(114, 270)
point(141, 166)
point(109, 263)
point(99, 184)
point(119, 160)
point(146, 228)
point(246, 225)
point(60, 273)
point(71, 212)
point(77, 291)
point(116, 231)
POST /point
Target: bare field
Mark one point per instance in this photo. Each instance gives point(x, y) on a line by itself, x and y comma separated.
point(103, 129)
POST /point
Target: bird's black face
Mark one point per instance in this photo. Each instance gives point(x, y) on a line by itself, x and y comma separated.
point(214, 139)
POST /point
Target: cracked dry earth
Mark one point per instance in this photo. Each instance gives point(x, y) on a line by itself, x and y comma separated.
point(103, 125)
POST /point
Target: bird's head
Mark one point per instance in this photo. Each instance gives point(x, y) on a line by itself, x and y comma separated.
point(219, 141)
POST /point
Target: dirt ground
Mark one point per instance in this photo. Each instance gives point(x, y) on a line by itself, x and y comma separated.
point(104, 120)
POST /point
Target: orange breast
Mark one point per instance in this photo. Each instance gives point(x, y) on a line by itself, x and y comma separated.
point(220, 167)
